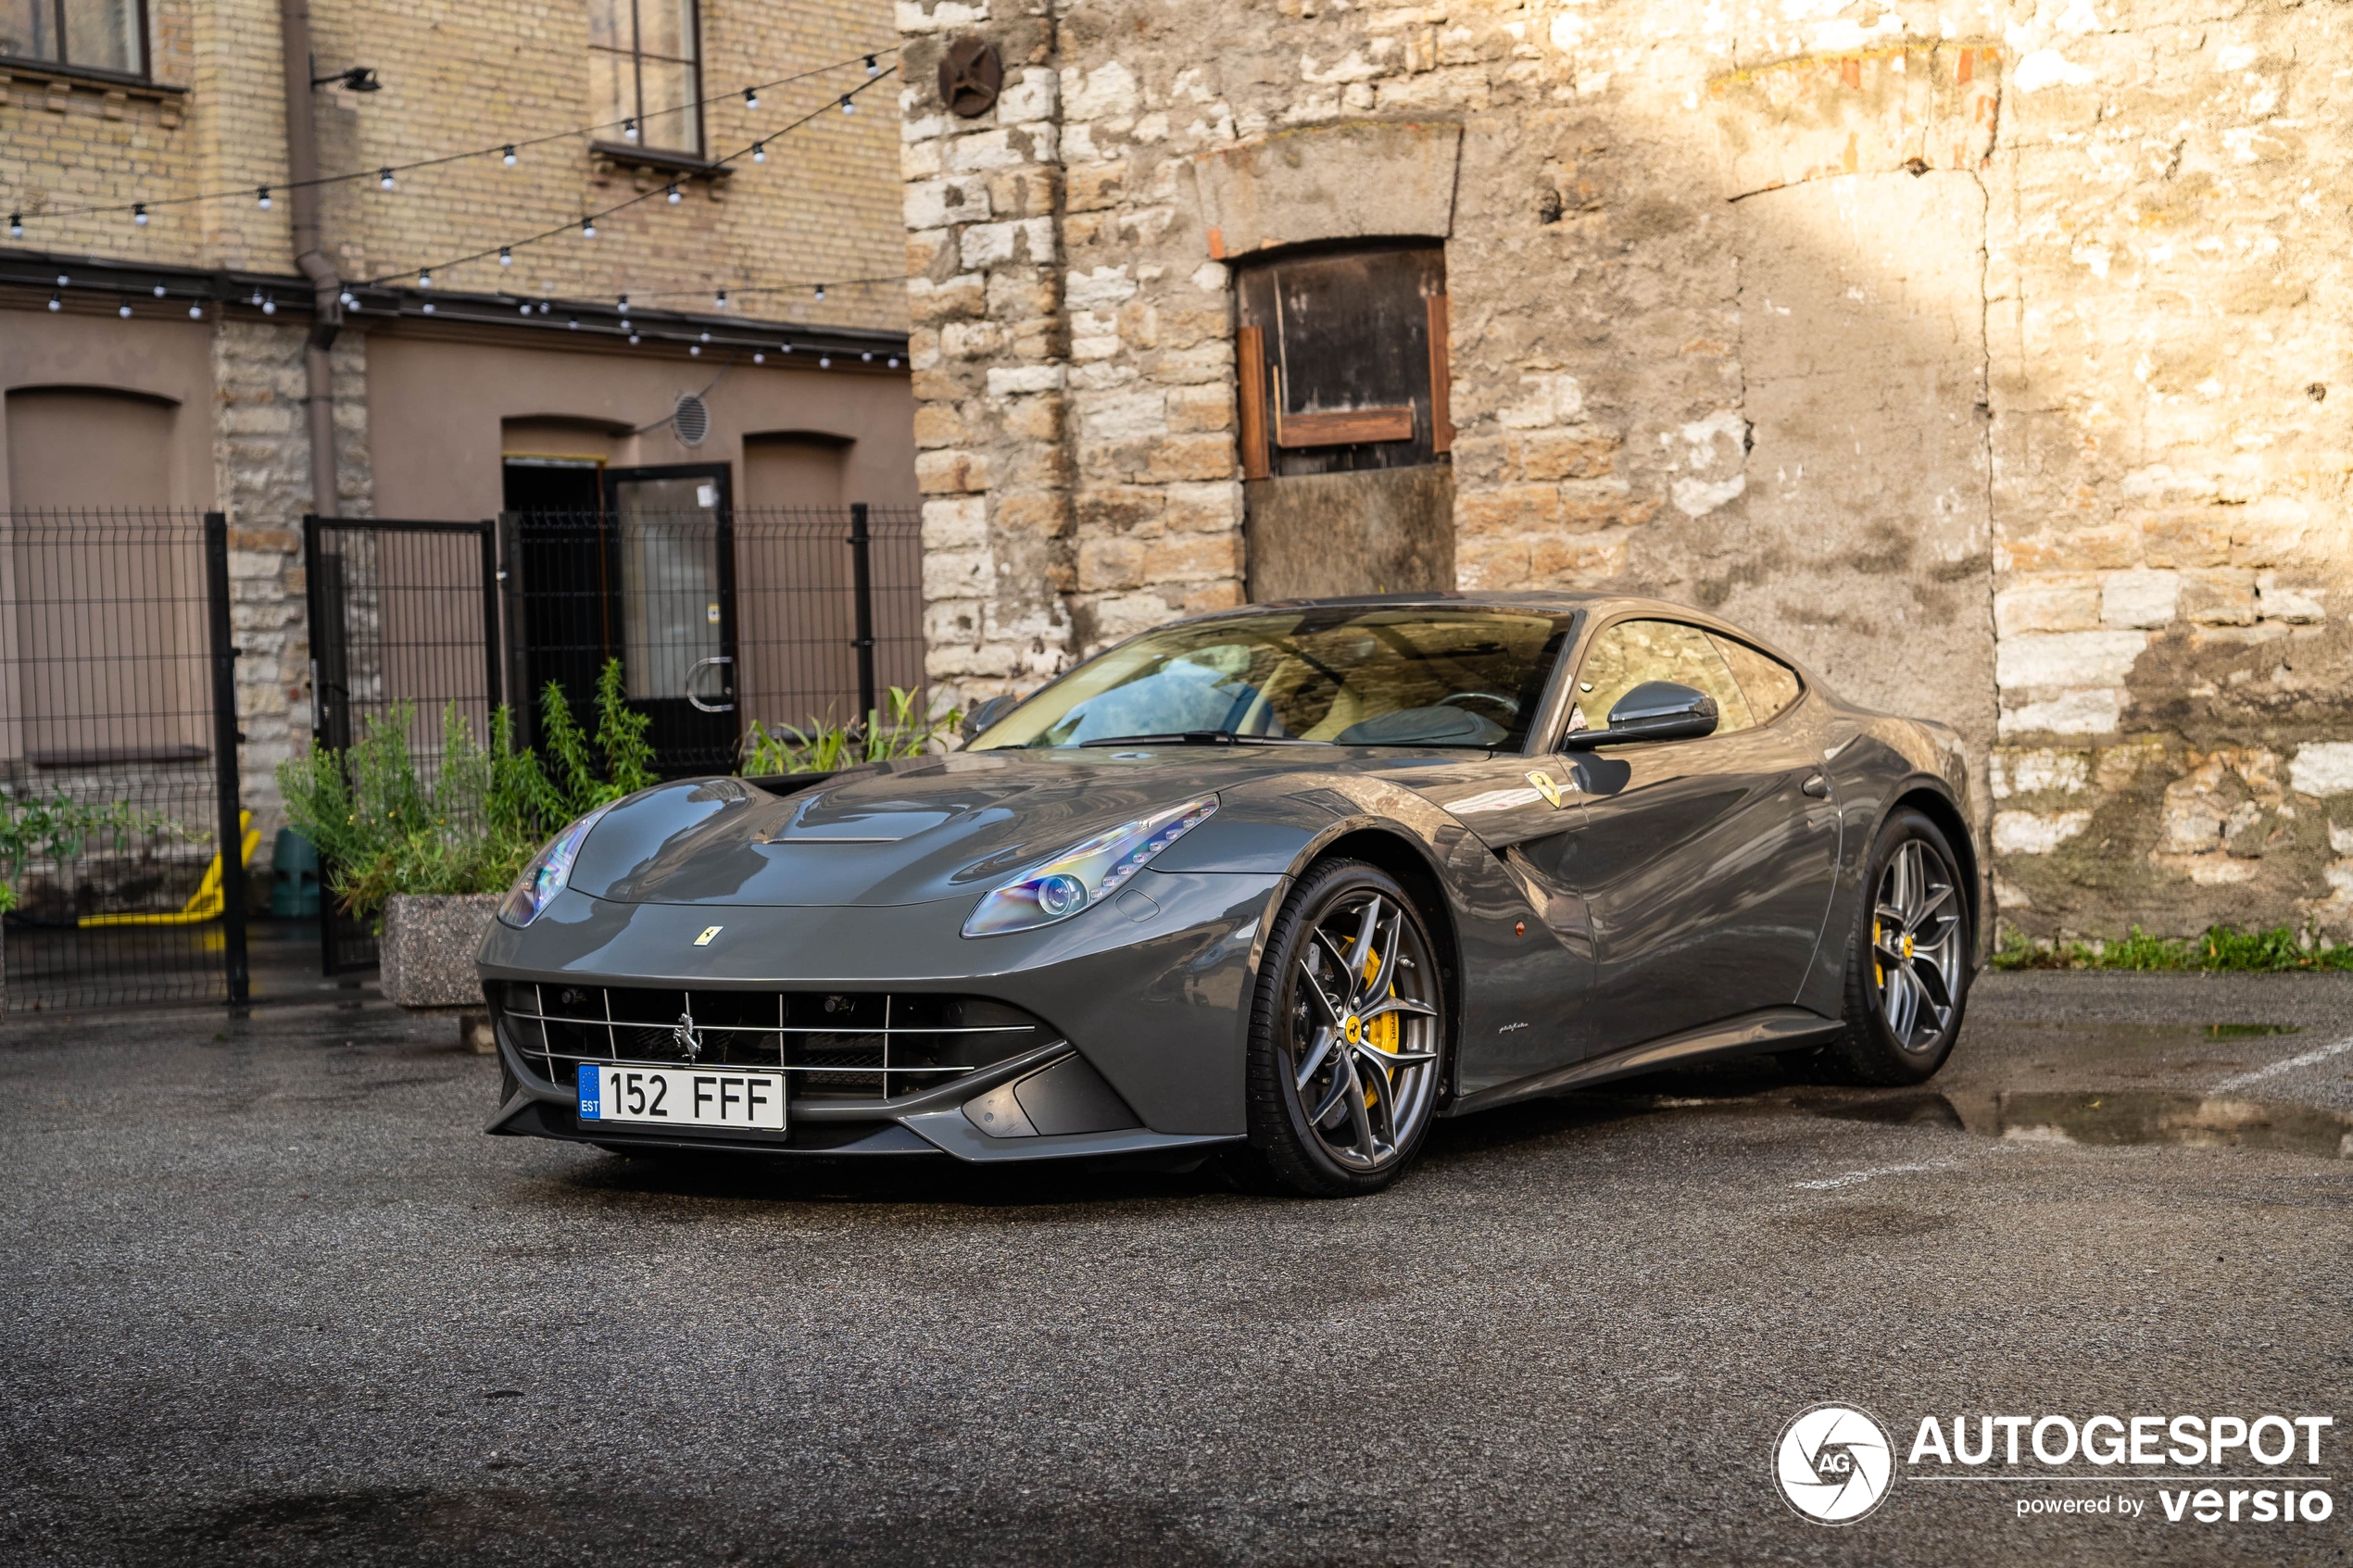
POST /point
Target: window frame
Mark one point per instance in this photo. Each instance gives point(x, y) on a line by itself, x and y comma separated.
point(1575, 665)
point(679, 158)
point(63, 64)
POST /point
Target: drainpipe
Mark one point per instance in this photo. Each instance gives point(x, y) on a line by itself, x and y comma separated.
point(326, 315)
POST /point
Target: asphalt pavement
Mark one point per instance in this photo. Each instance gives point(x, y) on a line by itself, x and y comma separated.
point(272, 1297)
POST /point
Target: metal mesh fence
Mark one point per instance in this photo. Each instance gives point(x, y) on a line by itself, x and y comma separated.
point(110, 783)
point(401, 612)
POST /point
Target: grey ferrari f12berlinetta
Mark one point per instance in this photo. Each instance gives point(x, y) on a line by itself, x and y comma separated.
point(1281, 885)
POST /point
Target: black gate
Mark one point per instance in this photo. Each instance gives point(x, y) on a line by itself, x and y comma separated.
point(400, 612)
point(122, 841)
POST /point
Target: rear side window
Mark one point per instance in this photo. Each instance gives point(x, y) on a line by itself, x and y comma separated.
point(1770, 686)
point(1633, 652)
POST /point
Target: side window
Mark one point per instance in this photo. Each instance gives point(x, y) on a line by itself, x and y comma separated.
point(1631, 652)
point(643, 74)
point(1771, 686)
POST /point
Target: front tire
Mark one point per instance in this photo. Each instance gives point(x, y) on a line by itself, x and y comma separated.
point(1347, 1037)
point(1908, 960)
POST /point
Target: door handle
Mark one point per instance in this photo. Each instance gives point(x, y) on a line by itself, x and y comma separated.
point(1816, 785)
point(694, 668)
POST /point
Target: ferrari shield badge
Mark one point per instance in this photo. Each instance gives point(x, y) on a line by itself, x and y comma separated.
point(1547, 786)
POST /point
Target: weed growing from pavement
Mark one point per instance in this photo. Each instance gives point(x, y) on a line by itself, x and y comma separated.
point(2221, 948)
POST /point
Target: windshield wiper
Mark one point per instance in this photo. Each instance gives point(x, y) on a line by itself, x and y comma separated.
point(1201, 737)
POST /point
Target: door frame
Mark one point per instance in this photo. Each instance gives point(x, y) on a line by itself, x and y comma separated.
point(723, 526)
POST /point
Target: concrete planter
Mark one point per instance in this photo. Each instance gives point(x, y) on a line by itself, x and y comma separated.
point(428, 949)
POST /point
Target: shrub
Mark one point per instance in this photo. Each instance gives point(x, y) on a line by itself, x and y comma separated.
point(61, 828)
point(2221, 948)
point(826, 747)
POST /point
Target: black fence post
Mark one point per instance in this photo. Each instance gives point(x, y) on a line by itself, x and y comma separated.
point(225, 736)
point(862, 582)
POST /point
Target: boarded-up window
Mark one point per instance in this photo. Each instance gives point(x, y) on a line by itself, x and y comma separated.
point(1343, 361)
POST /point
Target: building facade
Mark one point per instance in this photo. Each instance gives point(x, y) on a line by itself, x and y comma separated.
point(1993, 359)
point(380, 262)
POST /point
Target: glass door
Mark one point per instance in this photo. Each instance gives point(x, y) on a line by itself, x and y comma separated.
point(671, 550)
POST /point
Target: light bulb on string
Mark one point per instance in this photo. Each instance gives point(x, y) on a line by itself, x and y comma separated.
point(760, 151)
point(428, 308)
point(269, 305)
point(123, 310)
point(721, 301)
point(751, 97)
point(424, 278)
point(633, 337)
point(196, 310)
point(139, 213)
point(628, 130)
point(261, 197)
point(868, 357)
point(758, 357)
point(347, 299)
point(158, 291)
point(55, 303)
point(694, 349)
point(572, 323)
point(543, 307)
point(706, 337)
point(525, 308)
point(674, 197)
point(509, 159)
point(894, 361)
point(588, 228)
point(848, 107)
point(820, 291)
point(506, 256)
point(383, 178)
point(824, 362)
point(16, 225)
point(872, 69)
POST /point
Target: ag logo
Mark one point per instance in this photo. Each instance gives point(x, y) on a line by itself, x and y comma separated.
point(1834, 1464)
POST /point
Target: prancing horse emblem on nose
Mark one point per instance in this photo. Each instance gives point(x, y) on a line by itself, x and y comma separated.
point(687, 1039)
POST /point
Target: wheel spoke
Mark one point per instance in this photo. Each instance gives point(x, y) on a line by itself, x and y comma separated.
point(1324, 1038)
point(1398, 1004)
point(1900, 1003)
point(1381, 1057)
point(1930, 978)
point(1378, 1077)
point(1385, 975)
point(1324, 939)
point(1929, 906)
point(1331, 1009)
point(1343, 1080)
point(1366, 929)
point(1367, 1148)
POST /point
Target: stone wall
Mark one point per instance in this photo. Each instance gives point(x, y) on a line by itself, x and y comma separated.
point(1982, 356)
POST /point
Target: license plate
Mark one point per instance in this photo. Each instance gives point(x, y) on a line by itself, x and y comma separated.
point(682, 1097)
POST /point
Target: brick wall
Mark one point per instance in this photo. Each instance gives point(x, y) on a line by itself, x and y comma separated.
point(1995, 361)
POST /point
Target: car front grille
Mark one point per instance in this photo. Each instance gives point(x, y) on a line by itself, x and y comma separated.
point(835, 1045)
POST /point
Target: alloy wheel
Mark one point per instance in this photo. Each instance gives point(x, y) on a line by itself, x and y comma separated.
point(1917, 945)
point(1363, 1045)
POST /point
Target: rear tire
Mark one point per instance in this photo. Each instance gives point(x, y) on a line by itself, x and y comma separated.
point(1908, 960)
point(1347, 1051)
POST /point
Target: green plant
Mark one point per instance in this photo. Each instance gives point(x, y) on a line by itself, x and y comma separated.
point(382, 831)
point(2220, 948)
point(61, 828)
point(901, 728)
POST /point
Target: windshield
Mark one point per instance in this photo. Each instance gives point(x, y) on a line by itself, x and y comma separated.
point(1349, 675)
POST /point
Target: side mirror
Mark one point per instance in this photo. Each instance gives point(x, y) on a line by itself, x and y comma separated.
point(1653, 710)
point(987, 713)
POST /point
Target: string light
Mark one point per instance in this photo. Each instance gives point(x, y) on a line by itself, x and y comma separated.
point(508, 158)
point(847, 105)
point(820, 291)
point(16, 225)
point(123, 310)
point(824, 362)
point(428, 308)
point(158, 291)
point(348, 298)
point(139, 213)
point(506, 256)
point(196, 310)
point(629, 130)
point(588, 228)
point(383, 178)
point(262, 196)
point(55, 304)
point(894, 361)
point(525, 308)
point(868, 357)
point(573, 323)
point(758, 357)
point(760, 151)
point(706, 337)
point(424, 278)
point(751, 97)
point(674, 196)
point(722, 301)
point(633, 337)
point(269, 305)
point(694, 349)
point(543, 307)
point(871, 67)
point(624, 304)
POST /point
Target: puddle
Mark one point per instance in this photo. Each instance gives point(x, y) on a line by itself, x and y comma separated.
point(2132, 1116)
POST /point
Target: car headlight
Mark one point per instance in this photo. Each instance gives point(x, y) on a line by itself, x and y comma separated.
point(547, 872)
point(1085, 875)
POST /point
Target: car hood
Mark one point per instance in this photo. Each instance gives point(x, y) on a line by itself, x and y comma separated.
point(897, 833)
